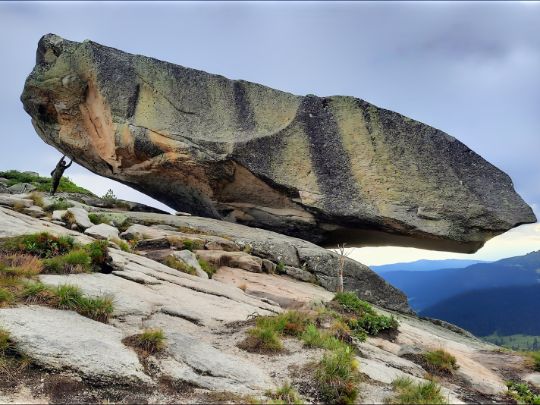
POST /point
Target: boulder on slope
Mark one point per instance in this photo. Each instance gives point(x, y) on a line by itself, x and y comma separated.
point(326, 169)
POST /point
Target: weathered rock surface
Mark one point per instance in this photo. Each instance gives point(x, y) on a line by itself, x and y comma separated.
point(59, 339)
point(326, 169)
point(190, 259)
point(80, 216)
point(300, 254)
point(21, 188)
point(102, 231)
point(204, 320)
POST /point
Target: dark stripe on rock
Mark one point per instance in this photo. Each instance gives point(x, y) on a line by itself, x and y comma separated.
point(144, 147)
point(244, 112)
point(330, 160)
point(132, 102)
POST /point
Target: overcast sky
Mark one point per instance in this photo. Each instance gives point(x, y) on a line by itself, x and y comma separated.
point(469, 69)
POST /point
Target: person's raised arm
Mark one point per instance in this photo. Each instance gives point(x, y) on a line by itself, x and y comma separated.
point(71, 161)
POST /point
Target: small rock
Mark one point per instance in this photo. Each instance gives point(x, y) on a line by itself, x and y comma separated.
point(240, 260)
point(219, 243)
point(190, 259)
point(4, 181)
point(268, 266)
point(34, 211)
point(61, 223)
point(137, 231)
point(300, 274)
point(102, 231)
point(80, 216)
point(21, 188)
point(58, 215)
point(9, 200)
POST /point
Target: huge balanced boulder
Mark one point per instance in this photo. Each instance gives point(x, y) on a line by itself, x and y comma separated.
point(326, 169)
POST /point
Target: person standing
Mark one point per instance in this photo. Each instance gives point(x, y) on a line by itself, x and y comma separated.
point(58, 172)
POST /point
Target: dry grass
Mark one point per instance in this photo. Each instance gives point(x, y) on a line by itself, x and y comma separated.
point(37, 198)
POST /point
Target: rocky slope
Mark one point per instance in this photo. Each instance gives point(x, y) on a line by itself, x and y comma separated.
point(326, 169)
point(76, 359)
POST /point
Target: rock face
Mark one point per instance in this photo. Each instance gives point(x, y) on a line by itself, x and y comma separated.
point(91, 348)
point(326, 169)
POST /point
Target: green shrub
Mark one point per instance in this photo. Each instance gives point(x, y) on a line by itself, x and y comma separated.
point(42, 183)
point(6, 297)
point(361, 317)
point(522, 393)
point(408, 392)
point(286, 394)
point(337, 376)
point(110, 197)
point(43, 244)
point(59, 205)
point(351, 303)
point(535, 360)
point(374, 324)
point(97, 219)
point(441, 360)
point(280, 268)
point(207, 267)
point(98, 251)
point(179, 265)
point(76, 261)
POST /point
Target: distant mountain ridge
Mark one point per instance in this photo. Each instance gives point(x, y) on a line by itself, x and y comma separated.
point(505, 311)
point(425, 265)
point(427, 288)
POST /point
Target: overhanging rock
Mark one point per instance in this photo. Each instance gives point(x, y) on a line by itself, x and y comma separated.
point(325, 169)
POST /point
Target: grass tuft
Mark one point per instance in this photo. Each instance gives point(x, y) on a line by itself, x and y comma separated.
point(207, 267)
point(177, 264)
point(76, 261)
point(265, 337)
point(441, 360)
point(285, 394)
point(37, 198)
point(97, 308)
point(313, 337)
point(408, 392)
point(150, 341)
point(43, 245)
point(337, 376)
point(6, 297)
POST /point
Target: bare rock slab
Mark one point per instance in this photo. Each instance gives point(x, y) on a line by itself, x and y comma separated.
point(102, 231)
point(325, 169)
point(199, 363)
point(60, 340)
